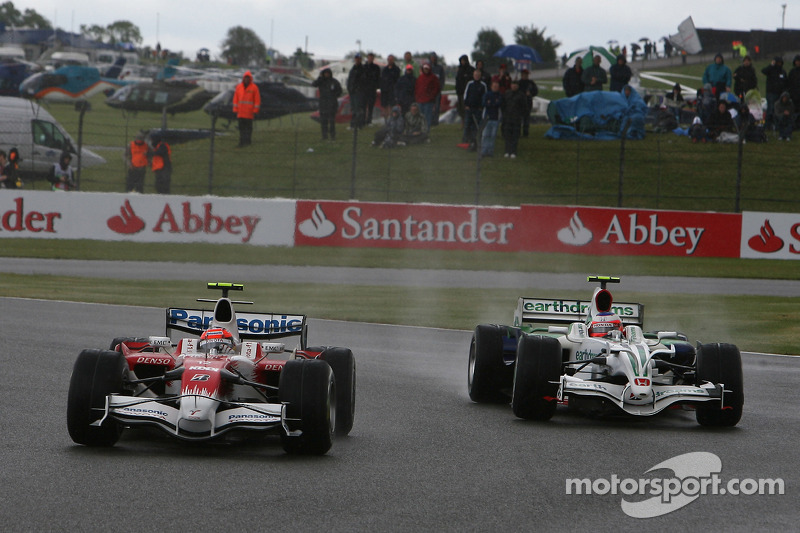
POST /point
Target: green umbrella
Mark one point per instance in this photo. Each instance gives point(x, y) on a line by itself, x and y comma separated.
point(606, 58)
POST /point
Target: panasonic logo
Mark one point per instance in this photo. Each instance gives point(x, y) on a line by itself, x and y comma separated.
point(235, 418)
point(248, 324)
point(146, 412)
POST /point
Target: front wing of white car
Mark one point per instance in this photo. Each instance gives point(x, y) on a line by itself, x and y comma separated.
point(663, 396)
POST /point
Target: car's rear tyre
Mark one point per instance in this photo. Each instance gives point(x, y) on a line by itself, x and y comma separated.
point(536, 377)
point(721, 363)
point(308, 388)
point(343, 364)
point(486, 366)
point(96, 374)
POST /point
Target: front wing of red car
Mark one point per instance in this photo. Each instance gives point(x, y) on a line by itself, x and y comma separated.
point(175, 415)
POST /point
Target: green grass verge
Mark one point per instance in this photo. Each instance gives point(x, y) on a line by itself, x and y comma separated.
point(768, 324)
point(394, 258)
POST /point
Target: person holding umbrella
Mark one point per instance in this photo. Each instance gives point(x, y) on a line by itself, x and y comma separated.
point(594, 77)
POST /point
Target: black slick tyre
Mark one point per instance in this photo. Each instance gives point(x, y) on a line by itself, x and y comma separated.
point(96, 374)
point(536, 377)
point(343, 364)
point(308, 388)
point(721, 363)
point(486, 367)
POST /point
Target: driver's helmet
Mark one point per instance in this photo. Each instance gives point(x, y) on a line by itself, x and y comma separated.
point(216, 341)
point(603, 323)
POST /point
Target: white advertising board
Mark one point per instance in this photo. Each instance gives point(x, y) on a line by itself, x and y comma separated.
point(146, 218)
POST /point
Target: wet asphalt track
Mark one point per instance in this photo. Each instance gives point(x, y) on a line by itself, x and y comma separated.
point(421, 456)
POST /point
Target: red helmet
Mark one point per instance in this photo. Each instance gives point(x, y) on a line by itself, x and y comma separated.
point(602, 323)
point(216, 341)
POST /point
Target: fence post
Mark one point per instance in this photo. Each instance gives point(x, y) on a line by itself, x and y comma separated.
point(82, 106)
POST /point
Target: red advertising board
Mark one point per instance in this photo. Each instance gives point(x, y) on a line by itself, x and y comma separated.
point(534, 228)
point(384, 225)
point(611, 231)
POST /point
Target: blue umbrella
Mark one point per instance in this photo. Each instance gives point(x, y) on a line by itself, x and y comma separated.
point(519, 52)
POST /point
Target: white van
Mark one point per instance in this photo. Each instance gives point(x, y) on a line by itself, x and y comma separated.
point(33, 131)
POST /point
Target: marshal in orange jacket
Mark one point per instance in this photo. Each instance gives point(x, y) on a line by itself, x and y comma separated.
point(246, 99)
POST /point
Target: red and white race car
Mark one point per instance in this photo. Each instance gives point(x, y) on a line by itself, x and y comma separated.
point(216, 371)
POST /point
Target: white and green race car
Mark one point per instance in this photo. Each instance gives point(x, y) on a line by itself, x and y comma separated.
point(595, 357)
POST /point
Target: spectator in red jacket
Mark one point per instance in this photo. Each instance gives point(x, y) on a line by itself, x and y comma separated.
point(426, 91)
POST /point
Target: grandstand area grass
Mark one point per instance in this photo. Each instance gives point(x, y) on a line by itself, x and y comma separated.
point(288, 159)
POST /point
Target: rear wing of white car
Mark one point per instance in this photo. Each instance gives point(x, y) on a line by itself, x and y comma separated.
point(251, 326)
point(548, 311)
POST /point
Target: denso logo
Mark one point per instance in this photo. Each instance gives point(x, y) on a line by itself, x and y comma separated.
point(32, 221)
point(654, 234)
point(153, 360)
point(128, 222)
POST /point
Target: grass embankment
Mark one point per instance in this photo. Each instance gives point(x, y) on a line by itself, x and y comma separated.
point(288, 159)
point(753, 322)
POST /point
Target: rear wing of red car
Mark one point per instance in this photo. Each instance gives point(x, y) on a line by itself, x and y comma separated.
point(550, 311)
point(251, 326)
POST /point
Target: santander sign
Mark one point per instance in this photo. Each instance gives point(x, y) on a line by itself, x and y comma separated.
point(406, 226)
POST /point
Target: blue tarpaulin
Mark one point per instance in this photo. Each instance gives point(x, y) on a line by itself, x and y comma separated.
point(601, 115)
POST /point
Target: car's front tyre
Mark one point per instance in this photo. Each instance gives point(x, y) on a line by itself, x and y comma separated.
point(720, 363)
point(343, 364)
point(308, 388)
point(486, 367)
point(536, 377)
point(96, 374)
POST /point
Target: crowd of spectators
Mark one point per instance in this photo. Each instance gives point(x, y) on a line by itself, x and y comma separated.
point(411, 96)
point(489, 103)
